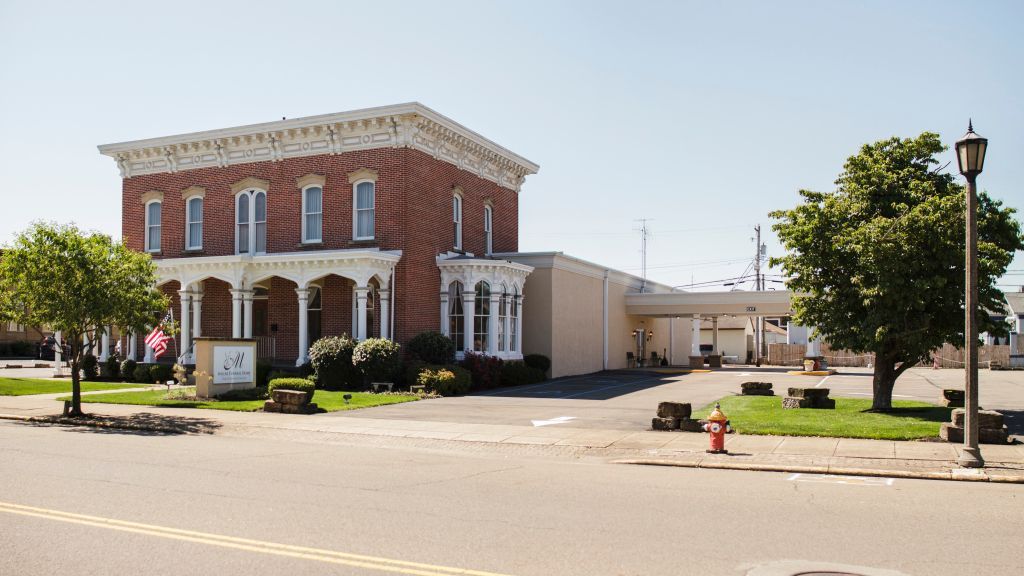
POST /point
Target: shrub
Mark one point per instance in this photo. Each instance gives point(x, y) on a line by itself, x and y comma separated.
point(297, 384)
point(128, 369)
point(161, 373)
point(411, 372)
point(112, 367)
point(141, 374)
point(331, 359)
point(431, 347)
point(262, 373)
point(446, 381)
point(90, 367)
point(538, 361)
point(377, 359)
point(519, 373)
point(22, 348)
point(485, 370)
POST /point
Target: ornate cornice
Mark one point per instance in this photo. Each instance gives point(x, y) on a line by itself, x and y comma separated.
point(411, 125)
point(469, 271)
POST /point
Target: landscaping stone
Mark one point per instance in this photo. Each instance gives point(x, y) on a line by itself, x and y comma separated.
point(691, 425)
point(790, 402)
point(953, 433)
point(677, 410)
point(696, 361)
point(756, 389)
point(289, 402)
point(808, 398)
point(289, 397)
point(808, 392)
point(665, 423)
point(714, 360)
point(953, 398)
point(986, 418)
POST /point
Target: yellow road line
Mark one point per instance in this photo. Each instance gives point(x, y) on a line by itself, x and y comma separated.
point(260, 546)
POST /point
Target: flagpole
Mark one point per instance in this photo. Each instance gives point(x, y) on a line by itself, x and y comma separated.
point(174, 340)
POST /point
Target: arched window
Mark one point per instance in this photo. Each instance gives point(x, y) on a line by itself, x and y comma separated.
point(251, 222)
point(481, 316)
point(364, 202)
point(153, 218)
point(194, 223)
point(502, 319)
point(456, 319)
point(312, 214)
point(513, 331)
point(488, 221)
point(457, 220)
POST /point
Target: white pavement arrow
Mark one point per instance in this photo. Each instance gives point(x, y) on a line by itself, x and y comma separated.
point(559, 420)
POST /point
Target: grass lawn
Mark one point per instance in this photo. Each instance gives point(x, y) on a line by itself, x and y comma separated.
point(326, 400)
point(909, 420)
point(25, 386)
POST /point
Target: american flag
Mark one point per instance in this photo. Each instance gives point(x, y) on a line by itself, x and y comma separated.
point(157, 339)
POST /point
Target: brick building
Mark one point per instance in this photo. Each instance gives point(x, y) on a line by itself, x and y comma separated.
point(377, 222)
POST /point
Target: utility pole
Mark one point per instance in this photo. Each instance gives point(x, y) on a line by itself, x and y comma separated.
point(758, 326)
point(643, 251)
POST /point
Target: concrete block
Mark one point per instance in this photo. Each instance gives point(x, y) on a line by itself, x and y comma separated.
point(696, 361)
point(953, 433)
point(690, 425)
point(790, 402)
point(756, 389)
point(665, 423)
point(677, 410)
point(714, 360)
point(808, 392)
point(986, 418)
point(291, 397)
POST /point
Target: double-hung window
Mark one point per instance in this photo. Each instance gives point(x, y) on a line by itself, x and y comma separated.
point(153, 218)
point(364, 203)
point(194, 223)
point(488, 236)
point(457, 220)
point(251, 222)
point(312, 214)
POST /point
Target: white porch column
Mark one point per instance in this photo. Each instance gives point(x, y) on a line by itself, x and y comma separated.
point(361, 312)
point(445, 327)
point(58, 360)
point(303, 296)
point(133, 345)
point(247, 314)
point(197, 315)
point(236, 313)
point(506, 324)
point(384, 299)
point(671, 340)
point(148, 353)
point(813, 346)
point(695, 329)
point(714, 335)
point(469, 322)
point(519, 326)
point(104, 344)
point(186, 331)
point(1015, 333)
point(492, 324)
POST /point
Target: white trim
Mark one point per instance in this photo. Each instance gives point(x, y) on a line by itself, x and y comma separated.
point(355, 209)
point(488, 229)
point(305, 239)
point(457, 202)
point(562, 261)
point(147, 225)
point(410, 125)
point(189, 222)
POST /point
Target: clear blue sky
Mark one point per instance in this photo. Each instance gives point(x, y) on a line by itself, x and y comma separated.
point(702, 116)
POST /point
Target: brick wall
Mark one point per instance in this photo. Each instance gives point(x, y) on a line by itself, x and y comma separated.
point(413, 214)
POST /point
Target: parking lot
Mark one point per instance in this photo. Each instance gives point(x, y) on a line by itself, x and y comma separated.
point(627, 399)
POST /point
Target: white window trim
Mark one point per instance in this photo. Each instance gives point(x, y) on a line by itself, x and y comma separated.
point(306, 240)
point(146, 233)
point(355, 210)
point(251, 193)
point(188, 222)
point(488, 230)
point(457, 200)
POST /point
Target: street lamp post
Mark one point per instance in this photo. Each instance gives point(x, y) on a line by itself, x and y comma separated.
point(970, 155)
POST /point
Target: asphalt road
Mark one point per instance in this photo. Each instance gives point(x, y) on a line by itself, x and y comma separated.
point(628, 400)
point(230, 505)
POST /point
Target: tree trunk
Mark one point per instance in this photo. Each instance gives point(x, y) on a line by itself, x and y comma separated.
point(76, 384)
point(882, 383)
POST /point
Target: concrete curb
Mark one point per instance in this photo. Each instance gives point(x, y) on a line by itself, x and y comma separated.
point(114, 424)
point(954, 474)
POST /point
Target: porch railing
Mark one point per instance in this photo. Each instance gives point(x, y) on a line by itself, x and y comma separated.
point(266, 347)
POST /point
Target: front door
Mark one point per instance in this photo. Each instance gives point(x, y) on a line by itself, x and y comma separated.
point(260, 319)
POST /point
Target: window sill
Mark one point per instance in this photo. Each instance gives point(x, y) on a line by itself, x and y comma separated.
point(363, 243)
point(309, 245)
point(192, 252)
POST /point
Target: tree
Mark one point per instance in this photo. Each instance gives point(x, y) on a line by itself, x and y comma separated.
point(878, 264)
point(79, 284)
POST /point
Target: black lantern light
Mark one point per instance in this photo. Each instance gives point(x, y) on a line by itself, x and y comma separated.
point(970, 152)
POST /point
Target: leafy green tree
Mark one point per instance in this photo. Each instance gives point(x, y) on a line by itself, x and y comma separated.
point(77, 283)
point(878, 264)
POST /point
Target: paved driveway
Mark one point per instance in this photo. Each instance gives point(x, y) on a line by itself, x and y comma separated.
point(627, 400)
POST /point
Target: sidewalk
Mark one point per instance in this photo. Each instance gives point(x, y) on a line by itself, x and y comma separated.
point(927, 460)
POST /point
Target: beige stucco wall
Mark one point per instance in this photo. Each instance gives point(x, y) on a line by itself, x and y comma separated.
point(577, 323)
point(732, 342)
point(537, 313)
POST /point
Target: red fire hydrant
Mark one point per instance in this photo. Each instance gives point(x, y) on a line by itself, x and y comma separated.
point(717, 427)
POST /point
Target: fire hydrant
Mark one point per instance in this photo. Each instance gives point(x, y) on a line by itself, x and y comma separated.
point(717, 427)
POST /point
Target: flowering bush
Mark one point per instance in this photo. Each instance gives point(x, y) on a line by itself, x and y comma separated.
point(378, 359)
point(446, 381)
point(331, 359)
point(485, 370)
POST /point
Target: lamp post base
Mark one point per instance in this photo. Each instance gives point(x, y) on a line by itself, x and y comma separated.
point(971, 458)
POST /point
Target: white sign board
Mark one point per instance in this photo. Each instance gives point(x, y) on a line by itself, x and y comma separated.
point(233, 364)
